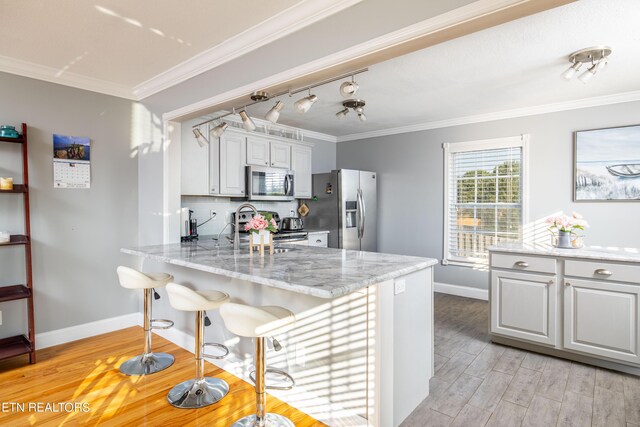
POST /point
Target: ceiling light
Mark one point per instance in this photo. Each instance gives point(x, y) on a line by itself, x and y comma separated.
point(597, 56)
point(274, 113)
point(361, 115)
point(571, 71)
point(202, 141)
point(259, 96)
point(217, 131)
point(342, 113)
point(303, 105)
point(588, 75)
point(348, 89)
point(247, 123)
point(357, 106)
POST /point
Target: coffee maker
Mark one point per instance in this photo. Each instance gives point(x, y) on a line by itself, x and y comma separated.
point(188, 225)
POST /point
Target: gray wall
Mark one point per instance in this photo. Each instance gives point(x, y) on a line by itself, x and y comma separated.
point(410, 182)
point(76, 234)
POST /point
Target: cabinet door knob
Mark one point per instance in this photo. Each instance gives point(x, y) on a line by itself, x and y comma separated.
point(266, 163)
point(603, 272)
point(241, 191)
point(567, 284)
point(213, 189)
point(550, 282)
point(522, 264)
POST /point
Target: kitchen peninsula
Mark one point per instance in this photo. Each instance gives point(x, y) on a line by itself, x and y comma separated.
point(357, 314)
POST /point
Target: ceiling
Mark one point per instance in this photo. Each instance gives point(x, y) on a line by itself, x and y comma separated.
point(516, 65)
point(117, 45)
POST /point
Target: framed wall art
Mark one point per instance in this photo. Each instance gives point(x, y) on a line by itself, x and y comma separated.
point(607, 165)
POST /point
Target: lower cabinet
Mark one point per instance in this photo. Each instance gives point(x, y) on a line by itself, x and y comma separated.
point(524, 306)
point(601, 318)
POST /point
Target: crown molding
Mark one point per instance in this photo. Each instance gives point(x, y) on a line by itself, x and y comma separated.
point(284, 23)
point(596, 101)
point(53, 75)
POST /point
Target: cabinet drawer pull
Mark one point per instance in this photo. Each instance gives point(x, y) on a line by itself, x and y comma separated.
point(603, 272)
point(550, 282)
point(318, 241)
point(522, 264)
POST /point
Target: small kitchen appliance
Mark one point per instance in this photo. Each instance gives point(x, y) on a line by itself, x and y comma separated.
point(290, 223)
point(189, 225)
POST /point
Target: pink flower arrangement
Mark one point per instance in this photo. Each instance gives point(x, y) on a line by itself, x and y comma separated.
point(261, 222)
point(566, 223)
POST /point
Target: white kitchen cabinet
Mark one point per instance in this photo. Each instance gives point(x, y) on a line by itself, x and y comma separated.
point(301, 166)
point(214, 167)
point(258, 151)
point(194, 170)
point(523, 306)
point(232, 164)
point(601, 318)
point(280, 153)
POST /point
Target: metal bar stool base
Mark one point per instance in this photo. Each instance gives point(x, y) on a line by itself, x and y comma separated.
point(193, 394)
point(145, 364)
point(270, 420)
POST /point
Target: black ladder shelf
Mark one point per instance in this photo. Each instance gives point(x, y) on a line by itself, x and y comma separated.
point(20, 344)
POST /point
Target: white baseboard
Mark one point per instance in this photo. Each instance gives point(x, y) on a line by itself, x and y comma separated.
point(86, 330)
point(461, 291)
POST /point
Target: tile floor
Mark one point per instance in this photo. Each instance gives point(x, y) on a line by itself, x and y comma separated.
point(478, 383)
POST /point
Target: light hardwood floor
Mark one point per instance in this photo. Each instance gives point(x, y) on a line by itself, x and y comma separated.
point(87, 371)
point(478, 383)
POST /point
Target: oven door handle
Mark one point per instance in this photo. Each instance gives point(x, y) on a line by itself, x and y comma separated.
point(297, 239)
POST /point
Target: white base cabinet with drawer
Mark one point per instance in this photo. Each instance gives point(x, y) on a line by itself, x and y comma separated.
point(569, 305)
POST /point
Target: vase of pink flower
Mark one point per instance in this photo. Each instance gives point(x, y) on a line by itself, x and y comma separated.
point(566, 226)
point(260, 227)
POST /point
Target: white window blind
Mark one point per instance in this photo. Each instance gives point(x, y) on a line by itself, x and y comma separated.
point(484, 197)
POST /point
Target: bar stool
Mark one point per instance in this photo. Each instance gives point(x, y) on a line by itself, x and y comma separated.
point(148, 362)
point(200, 391)
point(258, 323)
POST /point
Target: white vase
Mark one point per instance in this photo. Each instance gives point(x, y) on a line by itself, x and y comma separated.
point(564, 239)
point(261, 236)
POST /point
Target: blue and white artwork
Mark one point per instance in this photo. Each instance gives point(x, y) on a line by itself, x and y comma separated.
point(607, 164)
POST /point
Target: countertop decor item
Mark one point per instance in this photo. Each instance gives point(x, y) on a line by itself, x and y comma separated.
point(563, 228)
point(261, 226)
point(303, 210)
point(6, 183)
point(7, 131)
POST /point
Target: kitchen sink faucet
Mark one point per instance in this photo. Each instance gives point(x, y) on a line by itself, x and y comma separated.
point(236, 235)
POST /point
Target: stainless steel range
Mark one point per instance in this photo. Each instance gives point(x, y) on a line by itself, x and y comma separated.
point(282, 236)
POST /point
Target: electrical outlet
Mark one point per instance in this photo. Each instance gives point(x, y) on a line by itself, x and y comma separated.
point(212, 213)
point(399, 286)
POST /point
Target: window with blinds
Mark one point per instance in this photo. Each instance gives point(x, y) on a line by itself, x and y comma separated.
point(484, 186)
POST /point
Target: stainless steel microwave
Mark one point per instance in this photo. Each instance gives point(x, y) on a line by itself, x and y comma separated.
point(269, 183)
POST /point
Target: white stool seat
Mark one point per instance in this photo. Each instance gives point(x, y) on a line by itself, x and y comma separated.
point(134, 279)
point(253, 322)
point(185, 299)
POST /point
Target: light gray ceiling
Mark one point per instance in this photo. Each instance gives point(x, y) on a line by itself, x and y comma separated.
point(514, 65)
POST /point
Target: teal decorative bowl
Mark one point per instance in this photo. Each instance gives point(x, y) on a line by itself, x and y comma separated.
point(7, 131)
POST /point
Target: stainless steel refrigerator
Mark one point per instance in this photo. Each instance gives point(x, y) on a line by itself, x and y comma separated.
point(346, 206)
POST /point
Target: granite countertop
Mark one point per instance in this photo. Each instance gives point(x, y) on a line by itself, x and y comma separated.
point(321, 272)
point(588, 252)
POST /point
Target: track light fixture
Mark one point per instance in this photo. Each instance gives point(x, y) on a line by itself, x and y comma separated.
point(597, 56)
point(342, 113)
point(357, 106)
point(247, 123)
point(202, 141)
point(274, 113)
point(303, 105)
point(348, 89)
point(217, 131)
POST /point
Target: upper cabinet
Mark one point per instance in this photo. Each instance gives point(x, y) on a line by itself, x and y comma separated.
point(232, 164)
point(195, 169)
point(280, 155)
point(263, 152)
point(301, 165)
point(219, 169)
